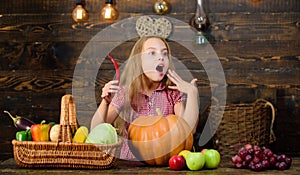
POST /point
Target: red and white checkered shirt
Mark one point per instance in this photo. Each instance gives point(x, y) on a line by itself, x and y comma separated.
point(162, 98)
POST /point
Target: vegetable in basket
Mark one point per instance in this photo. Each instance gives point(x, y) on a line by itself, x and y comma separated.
point(40, 132)
point(54, 132)
point(21, 123)
point(103, 133)
point(80, 134)
point(52, 123)
point(24, 135)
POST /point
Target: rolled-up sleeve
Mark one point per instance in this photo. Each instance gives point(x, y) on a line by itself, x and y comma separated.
point(118, 100)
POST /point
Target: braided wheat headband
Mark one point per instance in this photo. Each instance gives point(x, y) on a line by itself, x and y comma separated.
point(147, 26)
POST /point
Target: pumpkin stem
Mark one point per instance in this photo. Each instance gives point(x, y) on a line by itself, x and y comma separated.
point(158, 111)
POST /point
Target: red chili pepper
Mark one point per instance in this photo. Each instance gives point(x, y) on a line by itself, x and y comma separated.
point(116, 67)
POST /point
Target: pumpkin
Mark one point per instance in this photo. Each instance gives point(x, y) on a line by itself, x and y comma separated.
point(155, 139)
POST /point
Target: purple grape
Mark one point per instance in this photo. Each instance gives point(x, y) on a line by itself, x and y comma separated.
point(248, 158)
point(288, 161)
point(278, 158)
point(282, 158)
point(272, 161)
point(266, 151)
point(258, 153)
point(259, 158)
point(251, 165)
point(282, 166)
point(242, 153)
point(233, 159)
point(236, 159)
point(251, 151)
point(248, 146)
point(256, 148)
point(258, 167)
point(245, 164)
point(256, 160)
point(238, 165)
point(264, 157)
point(277, 165)
point(269, 153)
point(265, 164)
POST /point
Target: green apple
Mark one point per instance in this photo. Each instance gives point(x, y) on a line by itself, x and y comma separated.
point(212, 158)
point(195, 161)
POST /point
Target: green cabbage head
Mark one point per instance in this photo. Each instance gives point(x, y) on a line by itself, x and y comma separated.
point(103, 133)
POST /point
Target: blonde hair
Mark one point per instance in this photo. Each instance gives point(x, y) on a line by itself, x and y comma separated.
point(135, 81)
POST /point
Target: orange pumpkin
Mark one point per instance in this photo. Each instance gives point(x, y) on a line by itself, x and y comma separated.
point(155, 139)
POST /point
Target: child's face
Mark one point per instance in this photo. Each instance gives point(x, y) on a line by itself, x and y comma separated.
point(155, 59)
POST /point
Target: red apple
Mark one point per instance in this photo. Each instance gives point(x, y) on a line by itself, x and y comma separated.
point(177, 162)
point(203, 150)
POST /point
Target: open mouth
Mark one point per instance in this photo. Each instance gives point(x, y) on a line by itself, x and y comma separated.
point(160, 68)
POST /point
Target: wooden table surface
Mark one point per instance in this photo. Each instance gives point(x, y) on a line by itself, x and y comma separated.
point(124, 167)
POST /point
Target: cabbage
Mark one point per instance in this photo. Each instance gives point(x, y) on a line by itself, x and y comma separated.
point(103, 133)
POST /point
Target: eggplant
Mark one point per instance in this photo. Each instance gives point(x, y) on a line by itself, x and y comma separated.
point(21, 123)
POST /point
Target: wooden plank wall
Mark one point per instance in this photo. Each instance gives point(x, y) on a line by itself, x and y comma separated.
point(257, 42)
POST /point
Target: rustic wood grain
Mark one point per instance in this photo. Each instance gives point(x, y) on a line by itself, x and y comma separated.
point(224, 26)
point(29, 81)
point(257, 43)
point(146, 6)
point(134, 167)
point(53, 56)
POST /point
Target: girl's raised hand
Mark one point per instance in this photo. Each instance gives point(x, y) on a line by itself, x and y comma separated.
point(181, 85)
point(109, 88)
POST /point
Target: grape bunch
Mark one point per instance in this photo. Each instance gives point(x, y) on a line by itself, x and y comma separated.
point(258, 158)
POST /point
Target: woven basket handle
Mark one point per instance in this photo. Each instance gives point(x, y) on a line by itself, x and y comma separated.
point(68, 120)
point(267, 103)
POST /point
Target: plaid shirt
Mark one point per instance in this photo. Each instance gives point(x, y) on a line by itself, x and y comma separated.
point(162, 98)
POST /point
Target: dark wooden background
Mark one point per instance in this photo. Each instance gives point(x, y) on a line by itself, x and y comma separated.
point(258, 43)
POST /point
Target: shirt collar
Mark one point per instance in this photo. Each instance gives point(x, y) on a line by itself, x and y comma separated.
point(159, 88)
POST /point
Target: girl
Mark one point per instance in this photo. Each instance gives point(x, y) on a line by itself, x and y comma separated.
point(147, 82)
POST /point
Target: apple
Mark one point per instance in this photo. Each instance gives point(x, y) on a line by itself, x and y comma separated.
point(212, 158)
point(203, 150)
point(184, 153)
point(177, 162)
point(195, 161)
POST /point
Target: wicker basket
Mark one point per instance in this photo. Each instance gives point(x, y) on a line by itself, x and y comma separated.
point(64, 153)
point(241, 124)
